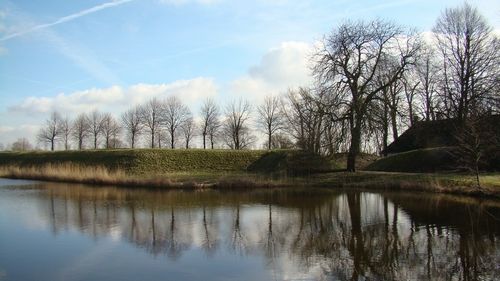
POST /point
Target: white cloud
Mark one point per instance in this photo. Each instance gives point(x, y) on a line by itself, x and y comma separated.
point(116, 99)
point(74, 102)
point(10, 134)
point(6, 129)
point(284, 67)
point(190, 91)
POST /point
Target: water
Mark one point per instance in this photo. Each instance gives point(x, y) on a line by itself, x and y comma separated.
point(73, 232)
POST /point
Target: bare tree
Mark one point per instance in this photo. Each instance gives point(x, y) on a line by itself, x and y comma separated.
point(96, 120)
point(471, 55)
point(131, 120)
point(347, 65)
point(477, 143)
point(305, 114)
point(281, 141)
point(150, 116)
point(270, 119)
point(161, 137)
point(428, 74)
point(174, 114)
point(210, 119)
point(188, 129)
point(51, 132)
point(110, 129)
point(81, 129)
point(66, 131)
point(410, 87)
point(235, 128)
point(214, 131)
point(21, 144)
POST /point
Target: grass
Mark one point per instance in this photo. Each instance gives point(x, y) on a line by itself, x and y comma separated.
point(452, 183)
point(166, 161)
point(140, 161)
point(230, 169)
point(427, 160)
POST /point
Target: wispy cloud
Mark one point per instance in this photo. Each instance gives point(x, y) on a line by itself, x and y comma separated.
point(66, 18)
point(182, 2)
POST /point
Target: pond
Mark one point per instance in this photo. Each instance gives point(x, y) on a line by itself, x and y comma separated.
point(53, 231)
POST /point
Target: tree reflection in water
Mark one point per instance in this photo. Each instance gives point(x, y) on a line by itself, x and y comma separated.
point(320, 233)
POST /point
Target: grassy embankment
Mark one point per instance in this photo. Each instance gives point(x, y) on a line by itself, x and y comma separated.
point(163, 168)
point(239, 169)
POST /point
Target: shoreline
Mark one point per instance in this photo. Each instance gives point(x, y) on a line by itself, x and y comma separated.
point(458, 184)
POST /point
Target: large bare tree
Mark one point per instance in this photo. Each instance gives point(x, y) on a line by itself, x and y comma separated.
point(470, 54)
point(209, 120)
point(131, 120)
point(174, 114)
point(51, 131)
point(81, 129)
point(151, 116)
point(270, 117)
point(347, 65)
point(235, 127)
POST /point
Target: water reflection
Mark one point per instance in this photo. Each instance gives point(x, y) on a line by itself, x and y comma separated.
point(321, 235)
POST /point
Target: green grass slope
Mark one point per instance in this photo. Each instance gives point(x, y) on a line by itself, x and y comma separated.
point(291, 162)
point(161, 161)
point(141, 161)
point(427, 160)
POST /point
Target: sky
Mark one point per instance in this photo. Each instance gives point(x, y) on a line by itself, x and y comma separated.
point(77, 56)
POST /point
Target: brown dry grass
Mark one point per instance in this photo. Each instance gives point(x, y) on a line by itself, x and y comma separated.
point(98, 175)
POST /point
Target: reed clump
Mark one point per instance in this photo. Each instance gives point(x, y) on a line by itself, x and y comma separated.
point(98, 175)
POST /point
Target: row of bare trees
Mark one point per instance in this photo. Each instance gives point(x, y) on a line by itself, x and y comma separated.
point(160, 122)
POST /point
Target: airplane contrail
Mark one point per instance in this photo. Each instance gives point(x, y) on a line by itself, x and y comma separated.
point(66, 18)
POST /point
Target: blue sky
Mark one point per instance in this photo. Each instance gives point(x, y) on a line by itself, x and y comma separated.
point(75, 56)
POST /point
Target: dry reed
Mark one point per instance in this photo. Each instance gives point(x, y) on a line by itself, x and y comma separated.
point(97, 175)
point(100, 175)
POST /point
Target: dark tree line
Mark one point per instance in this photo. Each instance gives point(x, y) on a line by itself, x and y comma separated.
point(375, 78)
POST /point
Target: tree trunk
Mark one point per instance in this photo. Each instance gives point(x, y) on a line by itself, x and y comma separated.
point(269, 142)
point(394, 124)
point(152, 139)
point(204, 140)
point(354, 147)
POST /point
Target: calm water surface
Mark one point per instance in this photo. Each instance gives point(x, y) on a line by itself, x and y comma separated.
point(73, 232)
